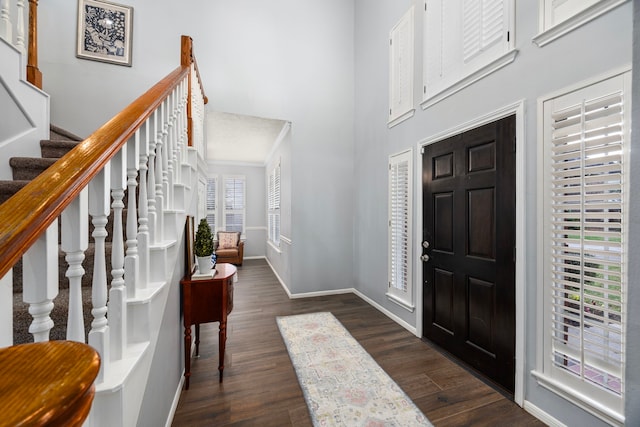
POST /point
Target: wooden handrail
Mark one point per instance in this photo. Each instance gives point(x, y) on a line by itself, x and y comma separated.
point(28, 213)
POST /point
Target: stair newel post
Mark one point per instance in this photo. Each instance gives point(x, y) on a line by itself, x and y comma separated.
point(74, 242)
point(150, 126)
point(117, 293)
point(40, 281)
point(5, 21)
point(143, 208)
point(131, 265)
point(99, 211)
point(159, 176)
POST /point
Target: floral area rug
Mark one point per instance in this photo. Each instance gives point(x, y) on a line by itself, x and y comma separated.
point(342, 384)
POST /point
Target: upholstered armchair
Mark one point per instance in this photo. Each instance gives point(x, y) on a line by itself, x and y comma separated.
point(229, 248)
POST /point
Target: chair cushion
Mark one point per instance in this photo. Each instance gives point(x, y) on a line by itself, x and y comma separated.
point(221, 253)
point(228, 239)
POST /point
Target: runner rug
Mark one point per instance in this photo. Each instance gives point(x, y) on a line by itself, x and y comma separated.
point(342, 384)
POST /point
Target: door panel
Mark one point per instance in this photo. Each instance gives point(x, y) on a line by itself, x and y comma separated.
point(469, 223)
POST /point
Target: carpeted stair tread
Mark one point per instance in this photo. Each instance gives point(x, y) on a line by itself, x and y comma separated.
point(27, 168)
point(57, 133)
point(9, 188)
point(56, 148)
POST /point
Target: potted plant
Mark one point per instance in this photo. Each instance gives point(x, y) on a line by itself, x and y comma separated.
point(203, 246)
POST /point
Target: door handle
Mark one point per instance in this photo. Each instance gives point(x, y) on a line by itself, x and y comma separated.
point(424, 257)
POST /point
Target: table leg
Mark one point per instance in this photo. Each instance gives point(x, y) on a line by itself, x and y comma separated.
point(187, 356)
point(222, 340)
point(197, 339)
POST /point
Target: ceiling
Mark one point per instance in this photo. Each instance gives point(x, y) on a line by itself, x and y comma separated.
point(240, 138)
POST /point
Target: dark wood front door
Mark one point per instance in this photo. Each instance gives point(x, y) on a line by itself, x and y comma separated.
point(469, 239)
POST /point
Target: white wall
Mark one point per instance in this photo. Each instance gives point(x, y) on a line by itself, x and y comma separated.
point(598, 47)
point(285, 59)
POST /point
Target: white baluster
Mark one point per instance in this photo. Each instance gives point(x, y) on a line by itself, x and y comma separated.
point(117, 294)
point(151, 179)
point(20, 32)
point(5, 21)
point(131, 275)
point(99, 210)
point(166, 152)
point(75, 240)
point(159, 176)
point(6, 309)
point(143, 209)
point(40, 281)
point(171, 148)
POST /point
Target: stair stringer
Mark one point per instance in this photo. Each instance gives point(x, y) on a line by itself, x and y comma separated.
point(26, 115)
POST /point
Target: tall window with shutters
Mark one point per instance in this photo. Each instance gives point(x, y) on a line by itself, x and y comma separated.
point(234, 203)
point(400, 289)
point(212, 203)
point(273, 205)
point(584, 241)
point(464, 40)
point(401, 69)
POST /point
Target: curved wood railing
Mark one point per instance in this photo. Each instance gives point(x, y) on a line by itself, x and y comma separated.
point(27, 214)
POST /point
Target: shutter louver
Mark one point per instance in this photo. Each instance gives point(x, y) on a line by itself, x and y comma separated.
point(483, 22)
point(586, 242)
point(399, 224)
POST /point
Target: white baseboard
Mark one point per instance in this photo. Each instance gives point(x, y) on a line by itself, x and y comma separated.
point(387, 313)
point(541, 415)
point(176, 400)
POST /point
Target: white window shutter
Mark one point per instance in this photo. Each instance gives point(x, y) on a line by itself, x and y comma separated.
point(585, 238)
point(400, 228)
point(557, 11)
point(234, 203)
point(211, 203)
point(401, 67)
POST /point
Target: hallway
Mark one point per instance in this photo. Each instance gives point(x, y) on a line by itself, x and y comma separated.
point(260, 387)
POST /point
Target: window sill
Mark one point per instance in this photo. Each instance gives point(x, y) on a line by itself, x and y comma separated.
point(502, 61)
point(570, 24)
point(401, 118)
point(574, 396)
point(274, 247)
point(406, 305)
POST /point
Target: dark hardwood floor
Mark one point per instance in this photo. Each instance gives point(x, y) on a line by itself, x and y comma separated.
point(260, 386)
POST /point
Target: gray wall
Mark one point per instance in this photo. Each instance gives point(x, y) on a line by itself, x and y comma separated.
point(280, 258)
point(255, 210)
point(597, 48)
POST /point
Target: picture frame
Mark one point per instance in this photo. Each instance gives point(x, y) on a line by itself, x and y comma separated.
point(104, 32)
point(190, 257)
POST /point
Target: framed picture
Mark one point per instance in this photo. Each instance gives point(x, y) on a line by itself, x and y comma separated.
point(190, 257)
point(104, 32)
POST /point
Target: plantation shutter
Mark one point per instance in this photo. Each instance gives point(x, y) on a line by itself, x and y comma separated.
point(274, 205)
point(401, 67)
point(587, 236)
point(461, 37)
point(482, 26)
point(399, 223)
point(234, 204)
point(211, 203)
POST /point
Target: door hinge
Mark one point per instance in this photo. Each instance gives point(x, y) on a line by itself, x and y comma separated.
point(389, 111)
point(508, 35)
point(390, 42)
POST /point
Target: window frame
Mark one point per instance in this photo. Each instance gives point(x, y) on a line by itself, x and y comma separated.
point(588, 396)
point(550, 31)
point(241, 211)
point(215, 212)
point(274, 186)
point(403, 296)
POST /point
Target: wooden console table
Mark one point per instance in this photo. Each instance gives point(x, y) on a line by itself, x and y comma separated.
point(207, 300)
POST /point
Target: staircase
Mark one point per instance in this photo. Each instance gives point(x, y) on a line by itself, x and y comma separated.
point(91, 247)
point(24, 170)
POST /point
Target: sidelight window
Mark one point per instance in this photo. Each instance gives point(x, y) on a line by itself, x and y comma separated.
point(400, 230)
point(584, 244)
